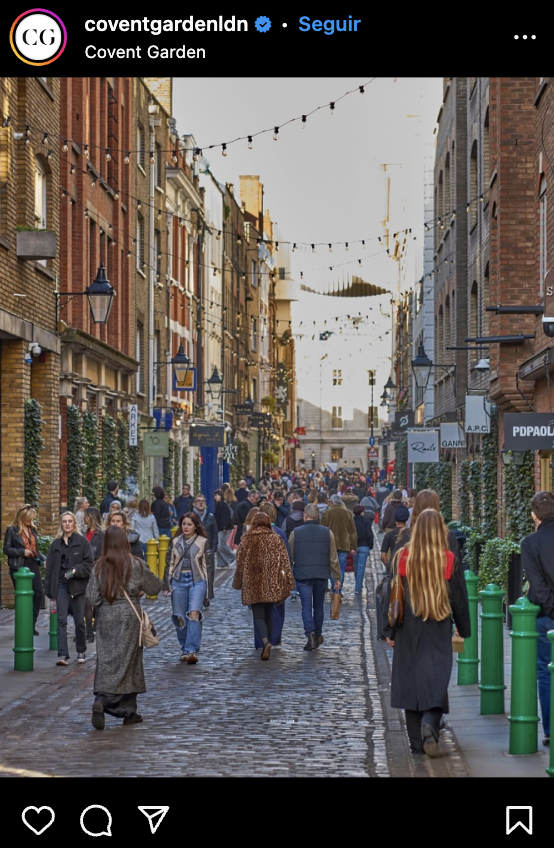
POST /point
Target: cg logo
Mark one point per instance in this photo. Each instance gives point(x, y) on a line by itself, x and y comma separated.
point(38, 37)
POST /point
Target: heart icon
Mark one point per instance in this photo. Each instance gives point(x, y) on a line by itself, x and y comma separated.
point(38, 810)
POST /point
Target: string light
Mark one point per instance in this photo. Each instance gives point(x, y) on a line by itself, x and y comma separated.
point(49, 154)
point(481, 198)
point(218, 236)
point(86, 151)
point(196, 154)
point(139, 204)
point(332, 108)
point(224, 150)
point(86, 213)
point(45, 138)
point(276, 134)
point(108, 155)
point(313, 248)
point(174, 157)
point(330, 248)
point(116, 195)
point(93, 182)
point(152, 158)
point(239, 240)
point(346, 246)
point(65, 148)
point(250, 145)
point(304, 122)
point(294, 247)
point(127, 158)
point(468, 207)
point(159, 213)
point(6, 121)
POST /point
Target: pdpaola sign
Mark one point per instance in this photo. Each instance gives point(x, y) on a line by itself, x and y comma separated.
point(528, 431)
point(452, 436)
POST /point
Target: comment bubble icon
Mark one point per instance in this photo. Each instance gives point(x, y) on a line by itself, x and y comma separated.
point(107, 831)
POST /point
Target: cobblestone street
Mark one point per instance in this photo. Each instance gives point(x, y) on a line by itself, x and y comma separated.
point(319, 713)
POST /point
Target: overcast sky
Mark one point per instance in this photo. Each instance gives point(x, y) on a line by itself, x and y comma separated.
point(325, 183)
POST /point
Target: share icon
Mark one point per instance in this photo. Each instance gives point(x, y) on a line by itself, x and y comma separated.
point(155, 816)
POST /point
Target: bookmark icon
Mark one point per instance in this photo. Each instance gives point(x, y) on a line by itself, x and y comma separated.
point(155, 816)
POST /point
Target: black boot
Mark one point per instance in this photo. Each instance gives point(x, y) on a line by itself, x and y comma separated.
point(311, 643)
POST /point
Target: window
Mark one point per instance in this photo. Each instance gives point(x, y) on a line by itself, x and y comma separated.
point(141, 151)
point(336, 454)
point(337, 378)
point(41, 195)
point(542, 234)
point(158, 249)
point(371, 378)
point(372, 417)
point(141, 247)
point(254, 273)
point(138, 357)
point(473, 187)
point(337, 418)
point(254, 334)
point(282, 273)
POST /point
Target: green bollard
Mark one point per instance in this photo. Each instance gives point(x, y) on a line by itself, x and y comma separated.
point(24, 626)
point(492, 651)
point(550, 769)
point(468, 662)
point(53, 632)
point(523, 716)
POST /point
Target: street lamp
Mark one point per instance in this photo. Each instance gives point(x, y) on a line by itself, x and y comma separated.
point(510, 457)
point(181, 365)
point(100, 295)
point(390, 387)
point(421, 366)
point(384, 399)
point(215, 385)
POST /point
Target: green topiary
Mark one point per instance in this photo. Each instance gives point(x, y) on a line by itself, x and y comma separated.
point(109, 451)
point(75, 450)
point(495, 562)
point(519, 488)
point(490, 478)
point(91, 457)
point(34, 445)
point(463, 493)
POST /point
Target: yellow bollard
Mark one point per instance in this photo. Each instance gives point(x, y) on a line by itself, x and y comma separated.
point(162, 550)
point(174, 530)
point(152, 558)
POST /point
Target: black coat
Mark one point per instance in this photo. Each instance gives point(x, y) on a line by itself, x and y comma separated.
point(538, 565)
point(14, 548)
point(223, 516)
point(96, 543)
point(209, 525)
point(160, 511)
point(364, 529)
point(422, 656)
point(134, 543)
point(106, 503)
point(183, 504)
point(240, 517)
point(79, 557)
point(282, 512)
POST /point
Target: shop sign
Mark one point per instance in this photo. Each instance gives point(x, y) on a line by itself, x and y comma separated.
point(478, 414)
point(528, 431)
point(207, 435)
point(423, 445)
point(452, 436)
point(133, 425)
point(156, 444)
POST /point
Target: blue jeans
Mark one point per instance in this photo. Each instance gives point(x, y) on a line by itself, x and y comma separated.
point(544, 624)
point(360, 559)
point(312, 597)
point(186, 597)
point(343, 556)
point(165, 531)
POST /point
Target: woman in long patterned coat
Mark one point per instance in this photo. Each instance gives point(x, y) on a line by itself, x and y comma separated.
point(119, 670)
point(263, 574)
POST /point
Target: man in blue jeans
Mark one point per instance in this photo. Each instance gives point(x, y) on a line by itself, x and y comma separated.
point(314, 558)
point(537, 559)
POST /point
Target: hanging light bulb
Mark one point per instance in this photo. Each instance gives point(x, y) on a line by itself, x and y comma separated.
point(362, 90)
point(65, 148)
point(93, 183)
point(86, 213)
point(332, 108)
point(294, 247)
point(72, 169)
point(152, 158)
point(427, 227)
point(468, 206)
point(250, 145)
point(363, 244)
point(86, 151)
point(159, 213)
point(45, 138)
point(224, 150)
point(330, 248)
point(481, 198)
point(174, 157)
point(215, 272)
point(313, 248)
point(127, 158)
point(360, 262)
point(301, 275)
point(453, 214)
point(49, 154)
point(108, 155)
point(218, 236)
point(116, 195)
point(346, 246)
point(6, 121)
point(276, 134)
point(139, 204)
point(304, 121)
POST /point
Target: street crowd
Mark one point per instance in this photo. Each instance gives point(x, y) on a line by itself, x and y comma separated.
point(293, 535)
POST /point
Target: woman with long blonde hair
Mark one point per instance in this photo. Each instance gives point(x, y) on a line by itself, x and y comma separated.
point(21, 548)
point(434, 593)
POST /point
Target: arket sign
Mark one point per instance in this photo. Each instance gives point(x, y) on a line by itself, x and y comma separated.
point(528, 431)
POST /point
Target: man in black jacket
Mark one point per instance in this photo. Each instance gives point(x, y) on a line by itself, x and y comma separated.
point(113, 489)
point(314, 558)
point(537, 559)
point(242, 511)
point(224, 520)
point(207, 519)
point(183, 503)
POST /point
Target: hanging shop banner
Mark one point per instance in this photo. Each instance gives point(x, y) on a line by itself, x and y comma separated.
point(133, 425)
point(156, 444)
point(282, 394)
point(229, 453)
point(528, 431)
point(478, 414)
point(423, 445)
point(207, 435)
point(452, 436)
point(186, 385)
point(403, 420)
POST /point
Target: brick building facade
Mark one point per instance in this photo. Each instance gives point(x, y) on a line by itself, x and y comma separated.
point(29, 201)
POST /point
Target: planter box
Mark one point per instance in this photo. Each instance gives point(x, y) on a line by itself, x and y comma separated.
point(36, 245)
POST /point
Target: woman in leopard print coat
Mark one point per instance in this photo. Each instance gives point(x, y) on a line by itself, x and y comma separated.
point(263, 574)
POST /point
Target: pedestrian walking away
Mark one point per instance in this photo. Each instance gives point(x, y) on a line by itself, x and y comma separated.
point(364, 529)
point(340, 521)
point(68, 567)
point(145, 525)
point(95, 536)
point(21, 548)
point(186, 580)
point(160, 511)
point(119, 674)
point(538, 566)
point(279, 610)
point(434, 592)
point(224, 520)
point(314, 557)
point(263, 575)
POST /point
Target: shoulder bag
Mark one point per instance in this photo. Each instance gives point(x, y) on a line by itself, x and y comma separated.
point(396, 604)
point(148, 638)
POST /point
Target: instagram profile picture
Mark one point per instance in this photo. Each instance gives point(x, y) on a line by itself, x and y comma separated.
point(38, 37)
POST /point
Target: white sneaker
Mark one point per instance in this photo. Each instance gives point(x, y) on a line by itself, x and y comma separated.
point(81, 658)
point(62, 661)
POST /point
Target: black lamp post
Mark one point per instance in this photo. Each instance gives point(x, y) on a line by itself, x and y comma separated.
point(181, 365)
point(421, 366)
point(215, 385)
